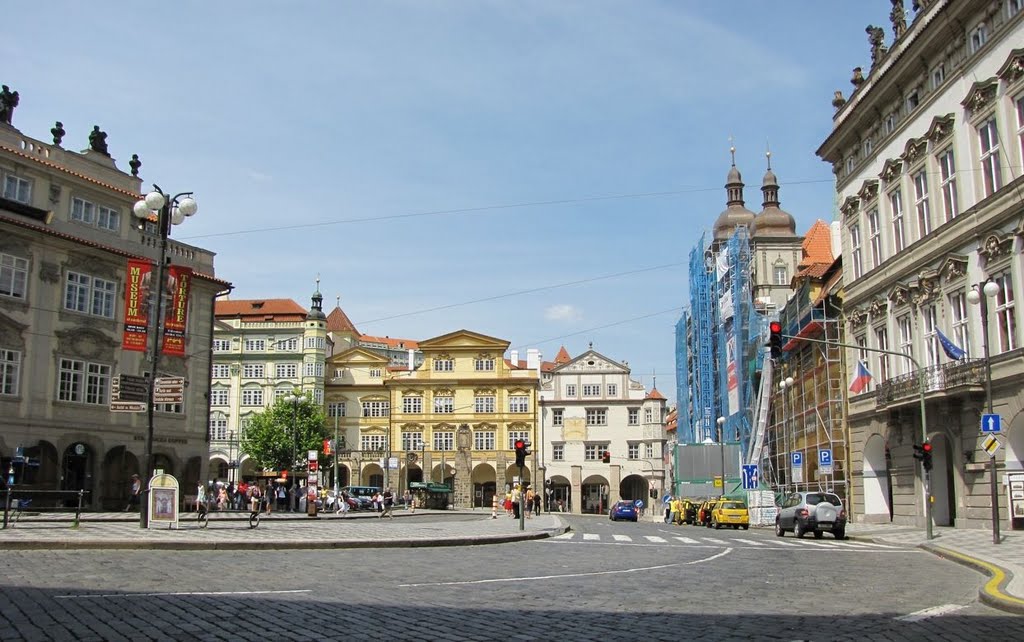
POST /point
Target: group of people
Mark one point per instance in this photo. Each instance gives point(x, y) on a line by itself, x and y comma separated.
point(516, 500)
point(252, 496)
point(679, 510)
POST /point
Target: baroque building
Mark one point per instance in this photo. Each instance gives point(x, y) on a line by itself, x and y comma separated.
point(927, 153)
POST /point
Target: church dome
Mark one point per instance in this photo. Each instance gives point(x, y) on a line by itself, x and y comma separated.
point(773, 221)
point(735, 213)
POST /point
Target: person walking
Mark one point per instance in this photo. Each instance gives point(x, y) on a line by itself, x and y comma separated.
point(536, 503)
point(134, 493)
point(528, 504)
point(388, 502)
point(407, 499)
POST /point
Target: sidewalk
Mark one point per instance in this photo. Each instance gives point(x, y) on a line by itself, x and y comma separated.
point(276, 531)
point(1003, 562)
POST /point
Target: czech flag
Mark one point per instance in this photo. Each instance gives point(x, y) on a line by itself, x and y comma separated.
point(952, 350)
point(861, 379)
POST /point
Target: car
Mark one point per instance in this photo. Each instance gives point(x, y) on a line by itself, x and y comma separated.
point(623, 510)
point(362, 495)
point(704, 512)
point(729, 512)
point(811, 512)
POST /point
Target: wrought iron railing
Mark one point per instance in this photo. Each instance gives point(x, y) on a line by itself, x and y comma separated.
point(936, 378)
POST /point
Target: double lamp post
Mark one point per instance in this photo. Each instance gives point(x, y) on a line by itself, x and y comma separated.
point(974, 296)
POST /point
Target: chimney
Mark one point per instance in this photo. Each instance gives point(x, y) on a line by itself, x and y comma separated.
point(533, 359)
point(513, 356)
point(412, 359)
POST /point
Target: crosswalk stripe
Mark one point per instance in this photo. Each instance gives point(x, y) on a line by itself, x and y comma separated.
point(713, 540)
point(820, 544)
point(749, 541)
point(655, 539)
point(568, 535)
point(687, 540)
point(790, 544)
point(875, 545)
point(591, 536)
point(622, 538)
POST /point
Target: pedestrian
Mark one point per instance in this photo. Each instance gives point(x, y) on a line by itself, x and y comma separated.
point(254, 498)
point(407, 500)
point(516, 507)
point(528, 504)
point(388, 503)
point(536, 503)
point(667, 504)
point(508, 503)
point(292, 500)
point(282, 497)
point(134, 493)
point(342, 500)
point(561, 506)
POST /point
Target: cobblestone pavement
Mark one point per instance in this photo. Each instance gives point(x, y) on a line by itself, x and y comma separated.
point(727, 585)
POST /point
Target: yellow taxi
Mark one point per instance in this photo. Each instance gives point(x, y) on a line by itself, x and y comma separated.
point(730, 512)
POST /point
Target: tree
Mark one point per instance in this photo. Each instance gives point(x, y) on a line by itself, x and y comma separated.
point(285, 429)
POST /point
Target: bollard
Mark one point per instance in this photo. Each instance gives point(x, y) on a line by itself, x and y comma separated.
point(7, 505)
point(78, 511)
point(494, 506)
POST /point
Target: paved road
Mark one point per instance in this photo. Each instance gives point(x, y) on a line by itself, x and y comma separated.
point(607, 581)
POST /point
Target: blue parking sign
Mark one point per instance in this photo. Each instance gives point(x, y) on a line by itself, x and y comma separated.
point(825, 457)
point(798, 459)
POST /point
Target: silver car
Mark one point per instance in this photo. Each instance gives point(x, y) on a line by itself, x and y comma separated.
point(811, 512)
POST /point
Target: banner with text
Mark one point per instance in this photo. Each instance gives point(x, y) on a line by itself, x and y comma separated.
point(179, 281)
point(136, 305)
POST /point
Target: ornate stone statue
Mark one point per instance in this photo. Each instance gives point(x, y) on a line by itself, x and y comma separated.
point(858, 77)
point(898, 18)
point(135, 164)
point(58, 133)
point(876, 37)
point(98, 140)
point(8, 101)
point(838, 100)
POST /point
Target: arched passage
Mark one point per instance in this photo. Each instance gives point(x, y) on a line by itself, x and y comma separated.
point(372, 475)
point(484, 479)
point(943, 488)
point(559, 494)
point(1014, 453)
point(512, 474)
point(77, 467)
point(634, 487)
point(877, 481)
point(118, 466)
point(594, 491)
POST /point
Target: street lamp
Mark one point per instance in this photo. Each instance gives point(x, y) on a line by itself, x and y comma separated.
point(991, 290)
point(721, 447)
point(784, 385)
point(294, 399)
point(169, 211)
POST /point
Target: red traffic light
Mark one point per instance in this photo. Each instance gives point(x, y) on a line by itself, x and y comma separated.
point(775, 327)
point(520, 444)
point(926, 446)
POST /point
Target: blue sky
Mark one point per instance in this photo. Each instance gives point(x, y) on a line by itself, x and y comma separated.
point(423, 154)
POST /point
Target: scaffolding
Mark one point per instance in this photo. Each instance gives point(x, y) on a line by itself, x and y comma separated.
point(695, 347)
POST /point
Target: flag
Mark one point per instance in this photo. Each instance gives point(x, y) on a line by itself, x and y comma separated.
point(952, 350)
point(861, 379)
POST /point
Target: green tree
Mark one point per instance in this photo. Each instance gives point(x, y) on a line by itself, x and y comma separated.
point(279, 437)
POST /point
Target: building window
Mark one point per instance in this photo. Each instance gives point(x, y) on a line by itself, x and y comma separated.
point(221, 345)
point(558, 452)
point(412, 404)
point(514, 435)
point(1005, 314)
point(376, 408)
point(255, 345)
point(83, 382)
point(899, 239)
point(444, 365)
point(13, 276)
point(17, 189)
point(648, 415)
point(613, 390)
point(280, 393)
point(412, 441)
point(869, 147)
point(947, 174)
point(220, 396)
point(483, 440)
point(373, 443)
point(958, 314)
point(929, 323)
point(444, 405)
point(10, 370)
point(594, 452)
point(485, 365)
point(597, 417)
point(858, 266)
point(634, 416)
point(978, 37)
point(376, 373)
point(483, 403)
point(218, 427)
point(633, 451)
point(518, 403)
point(938, 75)
point(99, 216)
point(318, 396)
point(924, 218)
point(780, 275)
point(882, 343)
point(992, 173)
point(648, 450)
point(444, 441)
point(220, 371)
point(89, 295)
point(906, 342)
point(1013, 7)
point(336, 409)
point(849, 165)
point(913, 100)
point(557, 417)
point(591, 390)
point(889, 125)
point(252, 397)
point(287, 370)
point(875, 238)
point(289, 345)
point(253, 371)
point(570, 390)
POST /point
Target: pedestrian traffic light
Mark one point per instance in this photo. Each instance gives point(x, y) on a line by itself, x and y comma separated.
point(775, 339)
point(923, 453)
point(521, 452)
point(606, 457)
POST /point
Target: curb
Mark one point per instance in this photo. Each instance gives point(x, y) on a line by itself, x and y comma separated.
point(993, 593)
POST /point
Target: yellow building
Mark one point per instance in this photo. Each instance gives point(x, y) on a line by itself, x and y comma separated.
point(456, 416)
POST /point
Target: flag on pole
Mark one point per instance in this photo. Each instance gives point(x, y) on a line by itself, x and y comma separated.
point(861, 378)
point(952, 350)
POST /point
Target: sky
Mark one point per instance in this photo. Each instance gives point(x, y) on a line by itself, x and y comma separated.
point(533, 170)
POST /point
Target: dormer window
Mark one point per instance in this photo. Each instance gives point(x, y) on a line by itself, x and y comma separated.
point(978, 37)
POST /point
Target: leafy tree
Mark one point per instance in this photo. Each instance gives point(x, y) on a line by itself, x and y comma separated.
point(285, 430)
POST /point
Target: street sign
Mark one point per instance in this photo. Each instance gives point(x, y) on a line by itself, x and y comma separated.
point(129, 388)
point(825, 461)
point(169, 390)
point(718, 481)
point(798, 459)
point(990, 445)
point(750, 477)
point(797, 467)
point(127, 406)
point(392, 463)
point(991, 423)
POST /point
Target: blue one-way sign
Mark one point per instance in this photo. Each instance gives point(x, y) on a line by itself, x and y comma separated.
point(750, 477)
point(990, 423)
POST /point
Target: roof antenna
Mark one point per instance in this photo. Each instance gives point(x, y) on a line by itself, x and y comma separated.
point(732, 151)
point(768, 153)
point(337, 300)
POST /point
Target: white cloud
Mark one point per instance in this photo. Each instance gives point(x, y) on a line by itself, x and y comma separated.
point(563, 312)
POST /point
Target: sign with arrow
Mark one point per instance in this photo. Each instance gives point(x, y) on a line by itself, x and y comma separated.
point(991, 423)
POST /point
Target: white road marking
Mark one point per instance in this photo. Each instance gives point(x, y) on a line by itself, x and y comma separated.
point(713, 540)
point(558, 577)
point(591, 536)
point(174, 594)
point(687, 540)
point(622, 538)
point(934, 611)
point(781, 543)
point(568, 535)
point(749, 541)
point(655, 539)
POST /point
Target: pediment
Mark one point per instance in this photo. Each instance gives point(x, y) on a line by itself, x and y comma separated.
point(358, 355)
point(996, 246)
point(899, 295)
point(12, 332)
point(940, 128)
point(891, 170)
point(981, 94)
point(592, 361)
point(1013, 69)
point(954, 267)
point(914, 150)
point(464, 339)
point(850, 206)
point(868, 190)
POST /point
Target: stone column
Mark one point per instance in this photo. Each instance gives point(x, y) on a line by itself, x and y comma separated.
point(614, 479)
point(576, 489)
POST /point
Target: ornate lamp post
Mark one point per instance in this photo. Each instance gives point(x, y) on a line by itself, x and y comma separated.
point(721, 447)
point(784, 386)
point(294, 399)
point(169, 211)
point(974, 297)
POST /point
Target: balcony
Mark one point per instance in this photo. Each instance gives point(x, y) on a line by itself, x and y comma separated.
point(940, 378)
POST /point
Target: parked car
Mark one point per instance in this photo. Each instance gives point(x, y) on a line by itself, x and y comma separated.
point(704, 512)
point(730, 512)
point(811, 512)
point(362, 495)
point(689, 515)
point(623, 510)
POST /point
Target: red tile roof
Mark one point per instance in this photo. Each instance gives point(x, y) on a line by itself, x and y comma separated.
point(262, 309)
point(562, 356)
point(814, 271)
point(654, 394)
point(672, 421)
point(817, 244)
point(394, 344)
point(338, 321)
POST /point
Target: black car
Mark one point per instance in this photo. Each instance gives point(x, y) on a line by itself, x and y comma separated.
point(811, 512)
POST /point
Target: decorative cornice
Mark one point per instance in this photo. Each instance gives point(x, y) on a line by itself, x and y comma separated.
point(858, 317)
point(914, 150)
point(996, 246)
point(981, 94)
point(850, 206)
point(878, 308)
point(924, 287)
point(891, 170)
point(1013, 69)
point(899, 295)
point(953, 268)
point(868, 190)
point(940, 128)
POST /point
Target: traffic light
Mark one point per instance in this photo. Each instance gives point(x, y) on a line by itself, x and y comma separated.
point(775, 339)
point(521, 452)
point(606, 457)
point(923, 453)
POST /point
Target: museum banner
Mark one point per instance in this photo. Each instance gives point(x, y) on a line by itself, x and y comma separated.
point(136, 305)
point(178, 282)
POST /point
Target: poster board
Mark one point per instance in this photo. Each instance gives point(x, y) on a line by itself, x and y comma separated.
point(163, 501)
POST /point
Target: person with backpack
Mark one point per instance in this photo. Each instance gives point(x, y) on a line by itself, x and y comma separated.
point(388, 502)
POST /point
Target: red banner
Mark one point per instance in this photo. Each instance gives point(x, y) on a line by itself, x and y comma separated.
point(136, 305)
point(179, 279)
